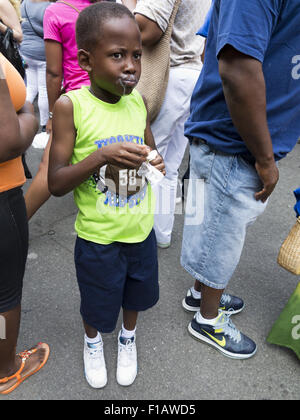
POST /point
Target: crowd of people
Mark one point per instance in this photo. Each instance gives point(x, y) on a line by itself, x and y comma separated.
point(237, 108)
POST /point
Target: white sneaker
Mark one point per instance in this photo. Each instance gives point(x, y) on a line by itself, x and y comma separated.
point(94, 364)
point(127, 361)
point(40, 140)
point(163, 246)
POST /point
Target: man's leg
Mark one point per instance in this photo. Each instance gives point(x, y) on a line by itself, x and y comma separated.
point(213, 243)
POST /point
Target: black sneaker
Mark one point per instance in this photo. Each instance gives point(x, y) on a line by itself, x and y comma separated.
point(224, 336)
point(229, 304)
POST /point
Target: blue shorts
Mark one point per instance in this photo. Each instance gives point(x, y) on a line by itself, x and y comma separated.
point(114, 276)
point(220, 206)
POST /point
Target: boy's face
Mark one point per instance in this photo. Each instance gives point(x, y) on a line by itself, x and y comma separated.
point(115, 63)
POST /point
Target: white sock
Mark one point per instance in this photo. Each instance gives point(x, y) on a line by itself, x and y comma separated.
point(195, 293)
point(127, 333)
point(202, 320)
point(95, 340)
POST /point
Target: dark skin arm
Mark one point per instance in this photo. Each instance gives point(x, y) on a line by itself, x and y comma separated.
point(151, 32)
point(54, 74)
point(17, 129)
point(62, 177)
point(245, 93)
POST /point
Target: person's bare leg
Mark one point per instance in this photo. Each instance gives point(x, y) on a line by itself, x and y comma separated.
point(90, 332)
point(38, 192)
point(9, 361)
point(210, 301)
point(129, 319)
point(197, 286)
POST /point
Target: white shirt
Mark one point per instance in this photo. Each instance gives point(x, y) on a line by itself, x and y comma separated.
point(186, 46)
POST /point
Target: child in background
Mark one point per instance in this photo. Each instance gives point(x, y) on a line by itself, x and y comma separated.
point(104, 132)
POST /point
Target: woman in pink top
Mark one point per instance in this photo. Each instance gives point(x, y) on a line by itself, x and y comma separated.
point(62, 68)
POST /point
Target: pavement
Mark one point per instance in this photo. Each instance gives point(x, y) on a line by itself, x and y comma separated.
point(172, 365)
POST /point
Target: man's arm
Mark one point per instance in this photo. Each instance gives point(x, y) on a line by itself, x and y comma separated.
point(245, 93)
point(54, 74)
point(150, 31)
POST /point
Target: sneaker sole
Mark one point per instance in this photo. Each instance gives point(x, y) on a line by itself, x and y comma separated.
point(163, 246)
point(189, 308)
point(200, 337)
point(126, 384)
point(93, 385)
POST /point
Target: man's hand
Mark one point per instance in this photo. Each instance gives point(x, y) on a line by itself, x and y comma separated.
point(269, 176)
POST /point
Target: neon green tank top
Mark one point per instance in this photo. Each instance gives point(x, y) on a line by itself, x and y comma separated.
point(107, 214)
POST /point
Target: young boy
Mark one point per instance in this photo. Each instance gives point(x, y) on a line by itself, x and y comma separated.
point(103, 131)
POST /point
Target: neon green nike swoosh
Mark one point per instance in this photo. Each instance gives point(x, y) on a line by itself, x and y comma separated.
point(221, 343)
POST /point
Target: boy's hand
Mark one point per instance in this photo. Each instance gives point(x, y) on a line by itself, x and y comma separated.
point(127, 155)
point(159, 163)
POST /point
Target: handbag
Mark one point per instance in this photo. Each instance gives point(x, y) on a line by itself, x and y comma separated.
point(289, 253)
point(9, 48)
point(155, 69)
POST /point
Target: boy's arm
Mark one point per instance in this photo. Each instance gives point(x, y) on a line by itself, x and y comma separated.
point(63, 177)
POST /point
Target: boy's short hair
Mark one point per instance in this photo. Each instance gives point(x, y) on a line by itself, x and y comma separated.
point(92, 19)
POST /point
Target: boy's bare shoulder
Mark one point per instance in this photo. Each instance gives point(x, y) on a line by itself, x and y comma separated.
point(63, 100)
point(63, 105)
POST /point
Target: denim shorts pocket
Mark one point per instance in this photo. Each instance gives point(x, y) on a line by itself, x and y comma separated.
point(250, 175)
point(202, 160)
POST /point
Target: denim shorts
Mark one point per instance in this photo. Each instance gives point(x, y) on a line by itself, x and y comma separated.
point(13, 247)
point(114, 276)
point(220, 206)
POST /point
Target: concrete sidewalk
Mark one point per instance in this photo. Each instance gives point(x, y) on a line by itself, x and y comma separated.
point(171, 364)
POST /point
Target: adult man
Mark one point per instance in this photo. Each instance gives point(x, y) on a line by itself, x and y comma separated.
point(244, 117)
point(153, 17)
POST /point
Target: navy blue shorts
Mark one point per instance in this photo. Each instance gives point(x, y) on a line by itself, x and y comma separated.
point(114, 276)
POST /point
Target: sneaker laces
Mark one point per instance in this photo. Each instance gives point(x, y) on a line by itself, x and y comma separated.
point(95, 352)
point(228, 327)
point(126, 352)
point(225, 298)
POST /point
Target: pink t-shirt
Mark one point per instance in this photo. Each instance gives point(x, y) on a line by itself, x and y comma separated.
point(59, 25)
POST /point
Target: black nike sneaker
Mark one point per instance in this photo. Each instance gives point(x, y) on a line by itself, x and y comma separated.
point(224, 336)
point(229, 304)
